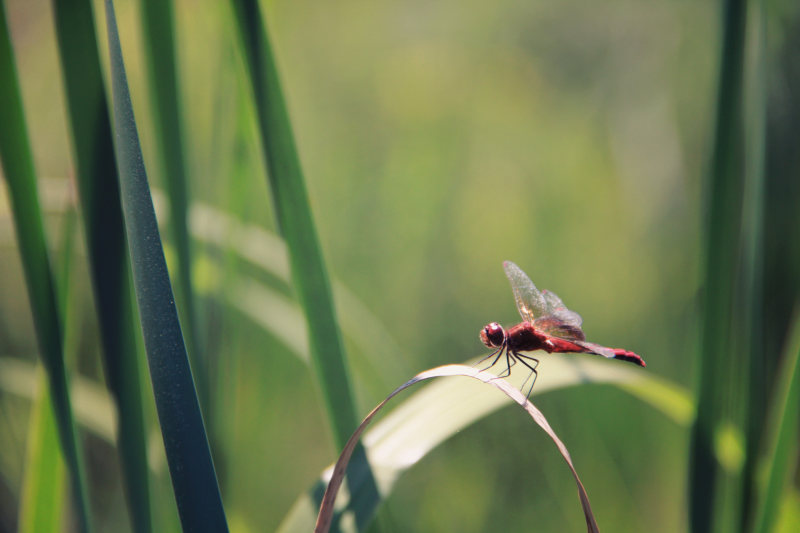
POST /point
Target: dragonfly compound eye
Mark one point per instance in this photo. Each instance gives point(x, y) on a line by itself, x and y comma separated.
point(493, 335)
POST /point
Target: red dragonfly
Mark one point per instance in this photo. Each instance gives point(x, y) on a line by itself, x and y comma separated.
point(546, 325)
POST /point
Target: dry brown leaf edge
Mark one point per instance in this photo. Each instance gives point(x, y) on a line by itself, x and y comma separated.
point(326, 509)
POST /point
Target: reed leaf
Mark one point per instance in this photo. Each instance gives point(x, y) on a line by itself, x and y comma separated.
point(295, 221)
point(43, 485)
point(782, 444)
point(442, 409)
point(751, 322)
point(158, 35)
point(18, 168)
point(186, 445)
point(715, 491)
point(327, 513)
point(98, 187)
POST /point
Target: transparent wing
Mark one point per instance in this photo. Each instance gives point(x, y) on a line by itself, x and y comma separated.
point(557, 309)
point(597, 349)
point(555, 327)
point(530, 302)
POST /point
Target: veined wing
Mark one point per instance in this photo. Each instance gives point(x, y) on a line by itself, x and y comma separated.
point(557, 309)
point(530, 302)
point(556, 327)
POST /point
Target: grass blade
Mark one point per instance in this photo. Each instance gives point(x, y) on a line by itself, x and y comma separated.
point(185, 441)
point(267, 251)
point(159, 41)
point(92, 406)
point(752, 330)
point(782, 436)
point(41, 506)
point(297, 228)
point(444, 408)
point(714, 497)
point(98, 186)
point(326, 512)
point(295, 222)
point(17, 163)
point(43, 487)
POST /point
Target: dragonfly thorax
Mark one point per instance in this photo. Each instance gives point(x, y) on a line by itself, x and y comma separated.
point(493, 335)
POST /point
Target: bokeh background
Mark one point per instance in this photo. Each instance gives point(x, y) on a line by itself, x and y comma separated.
point(438, 140)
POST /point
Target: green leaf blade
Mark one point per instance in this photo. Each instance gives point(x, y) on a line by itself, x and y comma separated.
point(41, 506)
point(98, 187)
point(185, 441)
point(158, 36)
point(17, 163)
point(428, 417)
point(295, 222)
point(783, 426)
point(715, 494)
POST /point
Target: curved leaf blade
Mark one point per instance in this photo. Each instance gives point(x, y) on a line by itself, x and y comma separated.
point(442, 409)
point(326, 512)
point(91, 403)
point(268, 252)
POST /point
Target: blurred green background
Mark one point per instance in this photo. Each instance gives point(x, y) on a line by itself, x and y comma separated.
point(437, 139)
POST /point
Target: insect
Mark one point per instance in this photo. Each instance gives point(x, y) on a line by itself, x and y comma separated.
point(546, 325)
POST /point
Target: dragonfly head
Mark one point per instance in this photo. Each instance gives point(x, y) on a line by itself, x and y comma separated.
point(493, 335)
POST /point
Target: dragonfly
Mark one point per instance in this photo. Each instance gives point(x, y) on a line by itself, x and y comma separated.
point(546, 325)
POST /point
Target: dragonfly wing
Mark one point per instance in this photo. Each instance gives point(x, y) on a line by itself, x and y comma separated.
point(597, 349)
point(555, 327)
point(530, 302)
point(557, 309)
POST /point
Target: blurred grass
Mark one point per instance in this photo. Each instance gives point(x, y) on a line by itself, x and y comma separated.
point(780, 443)
point(42, 494)
point(716, 491)
point(296, 226)
point(753, 216)
point(98, 186)
point(437, 141)
point(295, 221)
point(18, 168)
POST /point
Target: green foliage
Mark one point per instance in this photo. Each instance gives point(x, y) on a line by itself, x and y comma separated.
point(296, 225)
point(185, 442)
point(295, 221)
point(17, 163)
point(42, 497)
point(98, 187)
point(158, 35)
point(781, 450)
point(722, 394)
point(589, 143)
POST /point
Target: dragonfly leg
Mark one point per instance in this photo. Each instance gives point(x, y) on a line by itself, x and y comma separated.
point(498, 353)
point(510, 361)
point(533, 373)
